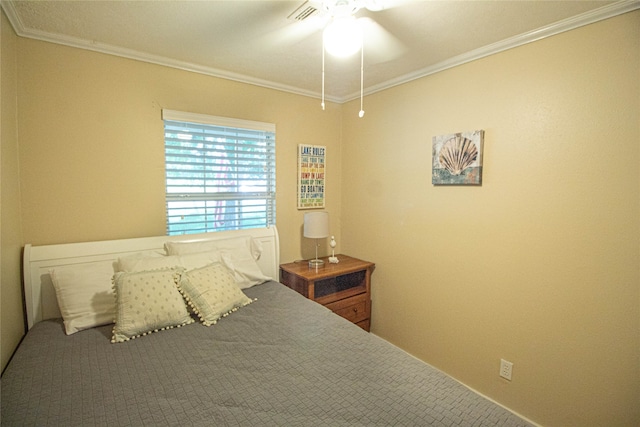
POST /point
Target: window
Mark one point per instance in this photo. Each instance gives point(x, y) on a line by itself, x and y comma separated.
point(220, 173)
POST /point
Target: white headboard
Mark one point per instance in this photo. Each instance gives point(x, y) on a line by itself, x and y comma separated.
point(40, 297)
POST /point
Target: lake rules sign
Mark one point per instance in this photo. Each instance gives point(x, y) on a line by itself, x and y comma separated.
point(311, 174)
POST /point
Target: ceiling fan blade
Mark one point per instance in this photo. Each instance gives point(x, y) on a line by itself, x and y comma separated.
point(290, 34)
point(379, 44)
point(378, 5)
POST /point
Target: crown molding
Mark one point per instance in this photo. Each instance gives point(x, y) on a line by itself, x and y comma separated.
point(605, 12)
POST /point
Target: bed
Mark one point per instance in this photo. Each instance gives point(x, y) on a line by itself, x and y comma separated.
point(277, 360)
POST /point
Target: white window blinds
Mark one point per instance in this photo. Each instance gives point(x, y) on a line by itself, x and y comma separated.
point(220, 173)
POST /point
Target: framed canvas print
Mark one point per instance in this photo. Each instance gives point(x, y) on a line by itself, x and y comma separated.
point(311, 176)
point(457, 158)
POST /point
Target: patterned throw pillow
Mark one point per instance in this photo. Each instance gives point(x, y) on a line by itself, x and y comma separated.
point(212, 292)
point(147, 301)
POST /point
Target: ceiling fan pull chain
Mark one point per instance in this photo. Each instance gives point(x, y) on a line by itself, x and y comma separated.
point(361, 113)
point(322, 104)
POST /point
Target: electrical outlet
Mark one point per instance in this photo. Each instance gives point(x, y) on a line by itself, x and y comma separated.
point(505, 369)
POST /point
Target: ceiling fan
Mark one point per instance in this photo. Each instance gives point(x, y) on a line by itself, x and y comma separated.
point(344, 34)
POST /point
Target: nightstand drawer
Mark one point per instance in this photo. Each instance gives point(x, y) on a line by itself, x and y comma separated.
point(354, 309)
point(354, 313)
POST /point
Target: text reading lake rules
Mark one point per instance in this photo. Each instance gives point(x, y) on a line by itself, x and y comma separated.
point(311, 175)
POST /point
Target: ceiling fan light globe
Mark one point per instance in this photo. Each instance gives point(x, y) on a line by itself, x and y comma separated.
point(343, 37)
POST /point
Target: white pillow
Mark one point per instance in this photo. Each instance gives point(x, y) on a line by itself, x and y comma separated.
point(239, 244)
point(238, 254)
point(212, 292)
point(147, 301)
point(197, 260)
point(144, 262)
point(85, 294)
point(246, 271)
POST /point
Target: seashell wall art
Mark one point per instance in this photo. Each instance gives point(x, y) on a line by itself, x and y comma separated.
point(457, 158)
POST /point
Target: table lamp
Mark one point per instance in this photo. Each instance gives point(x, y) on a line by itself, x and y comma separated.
point(316, 226)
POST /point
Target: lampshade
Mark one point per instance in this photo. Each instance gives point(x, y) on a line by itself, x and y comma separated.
point(316, 225)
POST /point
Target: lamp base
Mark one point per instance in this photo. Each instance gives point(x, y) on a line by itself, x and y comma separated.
point(316, 263)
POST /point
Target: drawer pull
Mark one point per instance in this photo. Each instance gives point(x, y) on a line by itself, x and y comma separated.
point(355, 309)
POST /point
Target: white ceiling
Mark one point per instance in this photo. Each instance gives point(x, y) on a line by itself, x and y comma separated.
point(253, 41)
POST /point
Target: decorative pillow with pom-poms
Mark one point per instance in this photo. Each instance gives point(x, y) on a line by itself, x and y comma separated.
point(148, 301)
point(212, 292)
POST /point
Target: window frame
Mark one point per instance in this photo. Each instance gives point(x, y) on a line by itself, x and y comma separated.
point(252, 147)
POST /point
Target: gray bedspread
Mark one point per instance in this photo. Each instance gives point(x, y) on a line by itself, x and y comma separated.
point(281, 361)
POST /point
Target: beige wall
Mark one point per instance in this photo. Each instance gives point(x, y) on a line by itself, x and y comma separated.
point(92, 147)
point(11, 318)
point(539, 265)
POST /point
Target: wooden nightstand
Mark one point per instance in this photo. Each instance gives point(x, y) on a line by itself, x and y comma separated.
point(344, 288)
